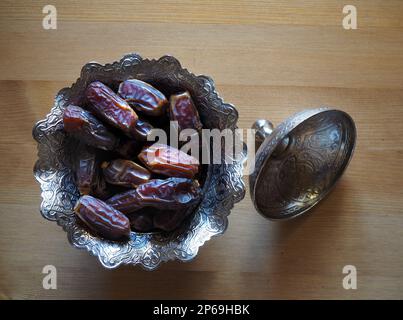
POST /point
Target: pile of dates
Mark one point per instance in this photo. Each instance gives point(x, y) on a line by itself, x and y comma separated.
point(126, 182)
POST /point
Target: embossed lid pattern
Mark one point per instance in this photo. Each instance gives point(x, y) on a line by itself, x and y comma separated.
point(300, 161)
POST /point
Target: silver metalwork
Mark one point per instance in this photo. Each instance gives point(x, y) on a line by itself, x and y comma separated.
point(299, 162)
point(223, 186)
point(263, 129)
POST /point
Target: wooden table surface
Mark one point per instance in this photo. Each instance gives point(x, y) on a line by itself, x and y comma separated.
point(270, 59)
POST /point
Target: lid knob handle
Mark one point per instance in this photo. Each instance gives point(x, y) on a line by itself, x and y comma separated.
point(264, 128)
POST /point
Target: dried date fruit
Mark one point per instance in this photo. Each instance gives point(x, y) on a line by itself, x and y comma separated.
point(169, 220)
point(88, 129)
point(183, 110)
point(169, 194)
point(143, 97)
point(85, 168)
point(99, 188)
point(128, 148)
point(166, 160)
point(102, 218)
point(111, 107)
point(142, 222)
point(125, 173)
point(142, 129)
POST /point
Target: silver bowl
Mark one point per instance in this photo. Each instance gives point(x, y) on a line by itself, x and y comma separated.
point(223, 185)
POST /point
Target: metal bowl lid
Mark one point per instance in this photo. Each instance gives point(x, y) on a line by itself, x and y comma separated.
point(298, 162)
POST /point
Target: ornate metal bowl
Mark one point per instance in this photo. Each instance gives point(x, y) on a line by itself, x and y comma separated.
point(222, 188)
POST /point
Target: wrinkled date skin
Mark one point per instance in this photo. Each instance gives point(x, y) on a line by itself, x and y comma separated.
point(169, 161)
point(183, 110)
point(85, 168)
point(102, 218)
point(169, 220)
point(112, 108)
point(143, 97)
point(125, 173)
point(118, 194)
point(87, 128)
point(169, 194)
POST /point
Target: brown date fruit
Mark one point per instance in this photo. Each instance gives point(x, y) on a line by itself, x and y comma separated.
point(85, 168)
point(111, 108)
point(183, 110)
point(169, 194)
point(88, 129)
point(99, 188)
point(128, 148)
point(142, 222)
point(143, 97)
point(102, 218)
point(166, 160)
point(142, 129)
point(169, 220)
point(125, 173)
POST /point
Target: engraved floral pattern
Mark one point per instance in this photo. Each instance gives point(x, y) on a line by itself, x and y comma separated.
point(223, 186)
point(321, 144)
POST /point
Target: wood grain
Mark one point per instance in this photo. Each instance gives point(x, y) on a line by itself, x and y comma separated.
point(270, 59)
